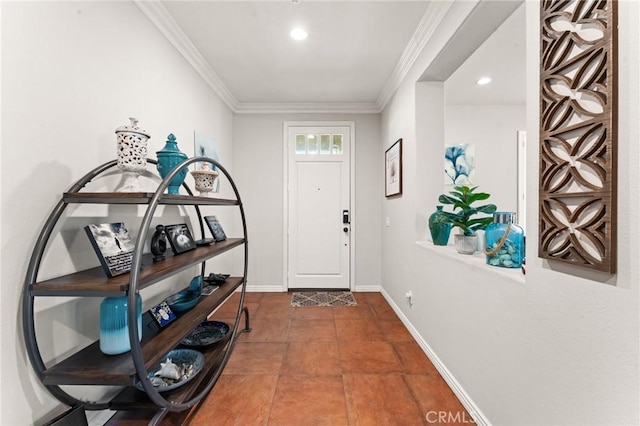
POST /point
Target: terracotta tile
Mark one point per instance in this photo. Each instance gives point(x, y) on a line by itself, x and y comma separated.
point(362, 311)
point(361, 297)
point(374, 298)
point(435, 397)
point(253, 297)
point(283, 298)
point(313, 312)
point(384, 311)
point(312, 358)
point(238, 400)
point(274, 310)
point(380, 399)
point(368, 357)
point(358, 330)
point(268, 330)
point(413, 359)
point(230, 309)
point(394, 330)
point(312, 330)
point(313, 400)
point(256, 358)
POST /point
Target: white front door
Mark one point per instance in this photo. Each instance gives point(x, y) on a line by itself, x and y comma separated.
point(318, 207)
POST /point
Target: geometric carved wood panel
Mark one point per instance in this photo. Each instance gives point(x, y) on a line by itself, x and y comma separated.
point(578, 113)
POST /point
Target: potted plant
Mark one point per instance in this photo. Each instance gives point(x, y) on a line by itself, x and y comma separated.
point(464, 216)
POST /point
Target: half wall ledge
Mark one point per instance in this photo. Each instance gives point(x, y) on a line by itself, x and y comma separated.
point(476, 260)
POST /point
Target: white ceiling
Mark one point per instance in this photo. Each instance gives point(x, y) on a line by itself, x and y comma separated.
point(354, 56)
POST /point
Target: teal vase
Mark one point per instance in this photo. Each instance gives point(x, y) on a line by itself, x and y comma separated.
point(114, 325)
point(168, 158)
point(440, 228)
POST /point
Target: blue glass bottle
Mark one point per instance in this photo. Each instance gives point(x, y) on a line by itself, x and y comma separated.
point(168, 158)
point(504, 241)
point(439, 227)
point(114, 330)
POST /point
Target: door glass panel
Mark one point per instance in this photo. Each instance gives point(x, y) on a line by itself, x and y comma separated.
point(325, 144)
point(337, 144)
point(301, 144)
point(313, 144)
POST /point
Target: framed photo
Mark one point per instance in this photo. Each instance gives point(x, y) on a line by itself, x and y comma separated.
point(162, 314)
point(393, 170)
point(180, 238)
point(216, 228)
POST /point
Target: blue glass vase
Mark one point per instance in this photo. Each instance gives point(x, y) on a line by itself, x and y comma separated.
point(168, 158)
point(440, 227)
point(114, 330)
point(504, 241)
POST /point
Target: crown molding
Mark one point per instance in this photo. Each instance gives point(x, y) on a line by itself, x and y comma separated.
point(432, 17)
point(162, 19)
point(315, 107)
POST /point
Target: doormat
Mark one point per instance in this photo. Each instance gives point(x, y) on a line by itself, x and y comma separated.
point(301, 299)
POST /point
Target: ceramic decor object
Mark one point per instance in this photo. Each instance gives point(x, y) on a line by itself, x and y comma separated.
point(132, 155)
point(168, 158)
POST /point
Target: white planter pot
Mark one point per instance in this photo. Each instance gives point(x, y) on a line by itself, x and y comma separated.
point(466, 244)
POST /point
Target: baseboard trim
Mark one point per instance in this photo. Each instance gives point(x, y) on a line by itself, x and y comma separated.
point(475, 412)
point(368, 288)
point(265, 288)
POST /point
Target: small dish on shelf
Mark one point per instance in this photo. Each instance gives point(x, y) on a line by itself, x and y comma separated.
point(184, 363)
point(206, 334)
point(183, 300)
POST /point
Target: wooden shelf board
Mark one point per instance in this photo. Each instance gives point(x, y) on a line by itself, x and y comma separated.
point(95, 283)
point(142, 198)
point(91, 367)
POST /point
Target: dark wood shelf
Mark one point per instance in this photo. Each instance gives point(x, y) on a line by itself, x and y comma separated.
point(91, 367)
point(94, 282)
point(142, 198)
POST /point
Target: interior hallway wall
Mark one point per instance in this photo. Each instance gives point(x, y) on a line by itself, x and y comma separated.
point(259, 171)
point(72, 72)
point(559, 346)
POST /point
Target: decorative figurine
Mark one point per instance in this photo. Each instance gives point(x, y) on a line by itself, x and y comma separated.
point(158, 244)
point(132, 155)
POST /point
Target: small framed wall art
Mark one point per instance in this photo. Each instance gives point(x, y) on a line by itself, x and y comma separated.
point(393, 170)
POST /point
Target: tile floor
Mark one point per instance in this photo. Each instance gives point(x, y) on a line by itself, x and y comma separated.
point(327, 366)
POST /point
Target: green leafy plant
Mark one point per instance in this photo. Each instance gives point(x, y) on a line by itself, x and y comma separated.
point(462, 198)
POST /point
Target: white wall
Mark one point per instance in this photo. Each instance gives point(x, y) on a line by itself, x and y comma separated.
point(560, 346)
point(258, 171)
point(71, 74)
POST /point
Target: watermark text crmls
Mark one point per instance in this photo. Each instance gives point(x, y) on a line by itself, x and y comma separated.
point(444, 417)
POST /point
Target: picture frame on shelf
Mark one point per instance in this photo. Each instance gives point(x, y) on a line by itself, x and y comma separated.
point(216, 229)
point(163, 314)
point(113, 246)
point(393, 170)
point(180, 238)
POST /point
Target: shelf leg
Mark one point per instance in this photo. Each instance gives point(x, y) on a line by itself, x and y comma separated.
point(158, 417)
point(247, 328)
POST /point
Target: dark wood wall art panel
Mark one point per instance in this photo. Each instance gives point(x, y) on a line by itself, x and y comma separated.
point(578, 115)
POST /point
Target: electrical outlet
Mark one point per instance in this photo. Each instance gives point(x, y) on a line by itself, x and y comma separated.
point(409, 296)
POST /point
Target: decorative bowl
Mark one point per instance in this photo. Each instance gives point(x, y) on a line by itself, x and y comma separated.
point(190, 363)
point(183, 300)
point(206, 334)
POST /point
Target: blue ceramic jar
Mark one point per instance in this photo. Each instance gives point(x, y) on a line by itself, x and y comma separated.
point(439, 227)
point(504, 241)
point(168, 158)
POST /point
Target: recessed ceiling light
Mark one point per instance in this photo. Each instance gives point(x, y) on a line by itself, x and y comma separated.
point(483, 81)
point(298, 34)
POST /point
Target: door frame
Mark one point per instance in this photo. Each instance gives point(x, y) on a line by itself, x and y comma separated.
point(285, 190)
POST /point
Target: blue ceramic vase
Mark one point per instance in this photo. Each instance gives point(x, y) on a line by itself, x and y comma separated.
point(504, 241)
point(114, 329)
point(168, 158)
point(440, 228)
